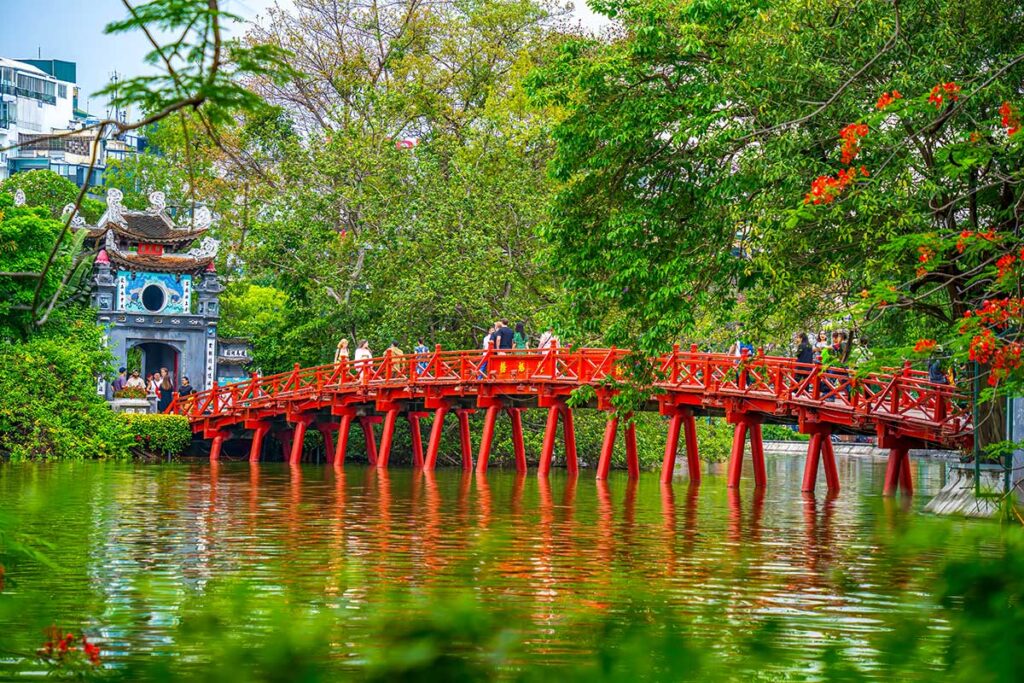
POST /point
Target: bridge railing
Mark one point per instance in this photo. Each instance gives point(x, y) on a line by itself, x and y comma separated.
point(902, 395)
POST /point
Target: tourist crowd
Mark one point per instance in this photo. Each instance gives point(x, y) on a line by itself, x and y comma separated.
point(500, 337)
point(159, 384)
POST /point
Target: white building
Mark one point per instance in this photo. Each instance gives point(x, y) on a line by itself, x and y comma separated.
point(39, 97)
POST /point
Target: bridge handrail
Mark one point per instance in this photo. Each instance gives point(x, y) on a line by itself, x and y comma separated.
point(904, 394)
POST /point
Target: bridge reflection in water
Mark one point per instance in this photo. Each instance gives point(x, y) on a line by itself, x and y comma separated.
point(558, 556)
point(900, 407)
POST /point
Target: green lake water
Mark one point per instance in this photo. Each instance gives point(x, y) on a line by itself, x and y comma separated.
point(138, 546)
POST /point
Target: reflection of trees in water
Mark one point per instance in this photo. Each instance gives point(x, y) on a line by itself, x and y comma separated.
point(549, 547)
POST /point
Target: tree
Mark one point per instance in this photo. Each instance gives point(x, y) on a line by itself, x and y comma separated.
point(50, 406)
point(27, 234)
point(47, 189)
point(684, 144)
point(418, 180)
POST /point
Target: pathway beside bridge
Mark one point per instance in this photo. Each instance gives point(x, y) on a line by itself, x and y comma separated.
point(900, 407)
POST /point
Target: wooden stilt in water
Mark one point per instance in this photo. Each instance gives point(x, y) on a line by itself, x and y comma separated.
point(484, 454)
point(434, 444)
point(604, 463)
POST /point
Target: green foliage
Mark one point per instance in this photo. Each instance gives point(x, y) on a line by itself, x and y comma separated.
point(459, 642)
point(131, 392)
point(156, 433)
point(50, 407)
point(53, 192)
point(773, 432)
point(714, 438)
point(136, 175)
point(199, 67)
point(27, 235)
point(376, 242)
point(260, 314)
point(684, 143)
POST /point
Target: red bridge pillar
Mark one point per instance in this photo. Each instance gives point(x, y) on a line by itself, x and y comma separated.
point(327, 432)
point(387, 437)
point(215, 446)
point(681, 419)
point(820, 447)
point(344, 429)
point(464, 437)
point(490, 420)
point(301, 423)
point(569, 440)
point(434, 444)
point(632, 459)
point(259, 433)
point(558, 409)
point(746, 423)
point(518, 445)
point(284, 436)
point(897, 472)
point(604, 463)
point(416, 438)
point(547, 449)
point(366, 422)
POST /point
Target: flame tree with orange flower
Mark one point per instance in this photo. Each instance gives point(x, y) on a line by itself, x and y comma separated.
point(769, 162)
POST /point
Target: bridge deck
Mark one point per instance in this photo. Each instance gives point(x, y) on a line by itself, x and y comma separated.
point(901, 407)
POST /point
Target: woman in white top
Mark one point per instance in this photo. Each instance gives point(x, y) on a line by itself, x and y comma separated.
point(341, 353)
point(548, 340)
point(363, 356)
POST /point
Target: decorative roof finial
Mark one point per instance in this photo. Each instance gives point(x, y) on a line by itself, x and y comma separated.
point(202, 218)
point(115, 210)
point(77, 220)
point(157, 202)
point(206, 249)
point(19, 197)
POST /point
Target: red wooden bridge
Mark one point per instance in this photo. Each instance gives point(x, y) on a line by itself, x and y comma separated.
point(902, 408)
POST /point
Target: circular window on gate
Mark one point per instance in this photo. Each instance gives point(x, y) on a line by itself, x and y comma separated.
point(153, 298)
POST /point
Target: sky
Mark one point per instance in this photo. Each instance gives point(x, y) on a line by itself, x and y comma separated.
point(72, 30)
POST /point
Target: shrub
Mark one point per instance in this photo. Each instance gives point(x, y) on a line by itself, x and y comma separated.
point(162, 434)
point(132, 392)
point(773, 432)
point(50, 407)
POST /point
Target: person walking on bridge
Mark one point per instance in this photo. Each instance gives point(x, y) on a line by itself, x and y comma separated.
point(504, 334)
point(341, 353)
point(548, 339)
point(804, 350)
point(363, 356)
point(519, 339)
point(490, 342)
point(421, 352)
point(186, 388)
point(935, 373)
point(804, 358)
point(395, 354)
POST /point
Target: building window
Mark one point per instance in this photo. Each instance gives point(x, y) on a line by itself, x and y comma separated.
point(8, 114)
point(62, 91)
point(36, 88)
point(153, 298)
